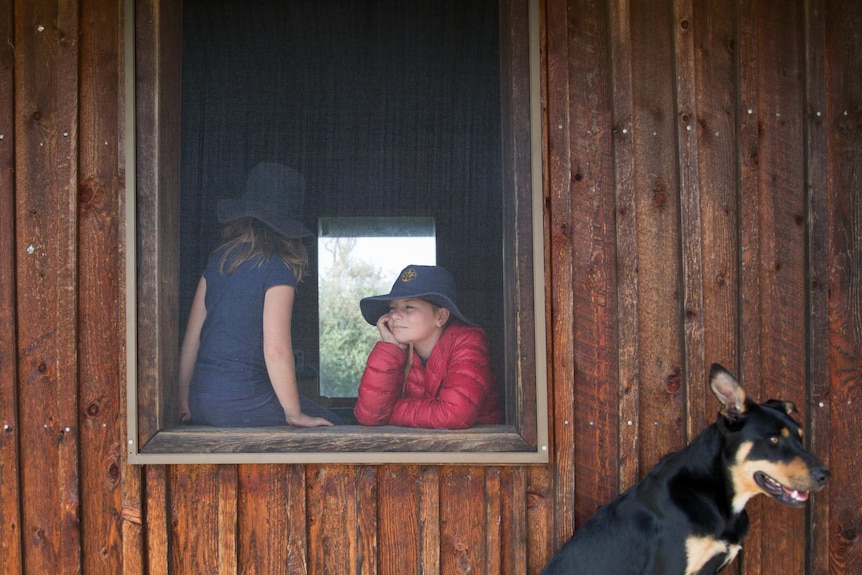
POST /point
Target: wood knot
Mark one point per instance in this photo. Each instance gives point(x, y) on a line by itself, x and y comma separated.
point(88, 192)
point(673, 382)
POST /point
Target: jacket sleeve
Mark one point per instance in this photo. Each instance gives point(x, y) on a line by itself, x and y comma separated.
point(381, 384)
point(463, 379)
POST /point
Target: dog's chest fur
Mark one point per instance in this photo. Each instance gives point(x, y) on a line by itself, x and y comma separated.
point(687, 494)
point(707, 555)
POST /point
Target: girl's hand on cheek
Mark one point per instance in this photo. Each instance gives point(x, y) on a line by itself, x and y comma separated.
point(385, 328)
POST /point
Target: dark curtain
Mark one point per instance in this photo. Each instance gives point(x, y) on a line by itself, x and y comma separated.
point(386, 107)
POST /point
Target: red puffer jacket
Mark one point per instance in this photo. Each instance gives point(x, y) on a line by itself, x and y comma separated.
point(455, 389)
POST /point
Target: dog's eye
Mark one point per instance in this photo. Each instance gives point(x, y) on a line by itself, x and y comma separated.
point(774, 440)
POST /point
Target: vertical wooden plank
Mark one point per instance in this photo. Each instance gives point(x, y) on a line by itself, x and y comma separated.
point(399, 522)
point(157, 88)
point(713, 28)
point(514, 532)
point(749, 237)
point(145, 151)
point(134, 546)
point(562, 368)
point(366, 520)
point(749, 174)
point(194, 502)
point(99, 346)
point(67, 388)
point(228, 518)
point(332, 532)
point(656, 181)
point(10, 485)
point(778, 204)
point(297, 534)
point(539, 514)
point(462, 520)
point(271, 531)
point(708, 182)
point(429, 520)
point(817, 374)
point(158, 27)
point(691, 224)
point(515, 60)
point(782, 199)
point(157, 519)
point(263, 519)
point(626, 245)
point(844, 200)
point(589, 181)
point(493, 521)
point(46, 81)
point(535, 521)
point(772, 216)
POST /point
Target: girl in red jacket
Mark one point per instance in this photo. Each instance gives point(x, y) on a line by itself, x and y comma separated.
point(431, 368)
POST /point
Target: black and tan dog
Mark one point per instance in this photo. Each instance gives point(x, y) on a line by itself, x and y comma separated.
point(687, 516)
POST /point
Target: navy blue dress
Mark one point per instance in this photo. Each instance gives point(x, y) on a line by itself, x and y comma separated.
point(230, 386)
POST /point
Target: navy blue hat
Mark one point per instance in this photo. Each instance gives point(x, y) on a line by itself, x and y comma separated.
point(274, 194)
point(430, 283)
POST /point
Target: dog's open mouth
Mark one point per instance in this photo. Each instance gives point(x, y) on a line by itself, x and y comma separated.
point(779, 491)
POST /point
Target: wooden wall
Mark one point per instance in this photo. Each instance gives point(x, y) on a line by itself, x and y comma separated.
point(703, 165)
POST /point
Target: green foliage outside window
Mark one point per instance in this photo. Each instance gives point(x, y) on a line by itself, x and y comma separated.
point(346, 339)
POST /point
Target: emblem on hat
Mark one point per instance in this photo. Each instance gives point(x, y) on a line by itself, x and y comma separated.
point(408, 274)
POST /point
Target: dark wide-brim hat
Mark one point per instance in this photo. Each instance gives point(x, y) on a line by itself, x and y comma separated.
point(429, 283)
point(274, 194)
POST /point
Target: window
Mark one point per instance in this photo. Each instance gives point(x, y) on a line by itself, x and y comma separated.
point(357, 257)
point(404, 120)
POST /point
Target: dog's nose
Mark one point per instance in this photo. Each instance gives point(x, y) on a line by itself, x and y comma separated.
point(820, 476)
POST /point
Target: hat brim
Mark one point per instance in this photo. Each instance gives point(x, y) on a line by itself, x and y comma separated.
point(375, 306)
point(230, 210)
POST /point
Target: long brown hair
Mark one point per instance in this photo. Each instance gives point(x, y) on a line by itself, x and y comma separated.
point(248, 239)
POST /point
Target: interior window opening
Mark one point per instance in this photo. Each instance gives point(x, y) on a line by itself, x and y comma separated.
point(358, 257)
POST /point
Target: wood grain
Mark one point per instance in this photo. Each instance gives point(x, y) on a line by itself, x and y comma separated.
point(46, 77)
point(101, 453)
point(843, 113)
point(462, 519)
point(354, 439)
point(194, 514)
point(817, 222)
point(657, 202)
point(701, 165)
point(407, 514)
point(773, 234)
point(713, 70)
point(11, 543)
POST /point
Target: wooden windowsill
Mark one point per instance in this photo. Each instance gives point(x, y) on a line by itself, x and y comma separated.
point(495, 444)
point(342, 438)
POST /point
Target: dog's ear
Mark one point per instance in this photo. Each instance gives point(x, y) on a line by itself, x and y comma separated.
point(787, 407)
point(728, 391)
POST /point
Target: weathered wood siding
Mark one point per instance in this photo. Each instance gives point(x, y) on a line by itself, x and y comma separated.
point(703, 167)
